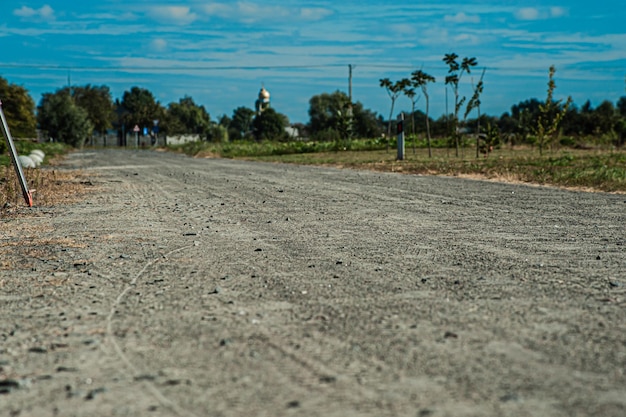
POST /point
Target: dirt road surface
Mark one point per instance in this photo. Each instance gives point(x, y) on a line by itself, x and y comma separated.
point(208, 287)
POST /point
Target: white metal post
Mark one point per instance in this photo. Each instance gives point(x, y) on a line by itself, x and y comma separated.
point(28, 197)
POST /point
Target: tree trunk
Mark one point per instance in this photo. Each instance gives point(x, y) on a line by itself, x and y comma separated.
point(478, 136)
point(393, 102)
point(430, 152)
point(413, 125)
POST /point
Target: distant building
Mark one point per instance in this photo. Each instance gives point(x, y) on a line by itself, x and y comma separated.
point(263, 102)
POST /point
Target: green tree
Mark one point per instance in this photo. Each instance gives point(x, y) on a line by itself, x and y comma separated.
point(224, 121)
point(61, 119)
point(324, 111)
point(365, 122)
point(217, 133)
point(455, 73)
point(621, 106)
point(19, 109)
point(420, 79)
point(139, 107)
point(605, 118)
point(97, 102)
point(394, 89)
point(327, 114)
point(241, 122)
point(270, 125)
point(186, 117)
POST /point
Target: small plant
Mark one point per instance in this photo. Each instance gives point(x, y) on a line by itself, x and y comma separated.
point(491, 140)
point(550, 115)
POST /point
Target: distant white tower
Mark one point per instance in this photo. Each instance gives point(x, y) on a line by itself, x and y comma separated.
point(263, 102)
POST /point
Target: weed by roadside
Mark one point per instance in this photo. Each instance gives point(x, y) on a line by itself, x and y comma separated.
point(49, 187)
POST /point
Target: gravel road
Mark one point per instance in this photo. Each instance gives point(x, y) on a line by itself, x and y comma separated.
point(209, 287)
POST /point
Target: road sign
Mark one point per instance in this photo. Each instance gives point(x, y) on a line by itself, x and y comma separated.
point(28, 197)
point(136, 129)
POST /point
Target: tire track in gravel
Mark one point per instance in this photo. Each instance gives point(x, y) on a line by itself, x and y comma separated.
point(344, 293)
point(110, 335)
point(148, 198)
point(304, 362)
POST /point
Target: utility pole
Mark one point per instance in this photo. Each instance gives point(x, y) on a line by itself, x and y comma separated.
point(350, 67)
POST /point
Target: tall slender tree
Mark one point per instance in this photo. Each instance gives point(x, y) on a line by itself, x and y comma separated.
point(455, 73)
point(474, 103)
point(420, 79)
point(414, 97)
point(394, 89)
point(550, 114)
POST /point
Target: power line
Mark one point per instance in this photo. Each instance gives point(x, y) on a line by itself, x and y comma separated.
point(136, 68)
point(168, 68)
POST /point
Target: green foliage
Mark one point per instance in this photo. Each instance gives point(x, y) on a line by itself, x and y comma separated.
point(98, 104)
point(241, 122)
point(61, 119)
point(24, 147)
point(270, 125)
point(186, 117)
point(328, 117)
point(550, 114)
point(217, 133)
point(394, 89)
point(491, 139)
point(139, 107)
point(455, 73)
point(19, 110)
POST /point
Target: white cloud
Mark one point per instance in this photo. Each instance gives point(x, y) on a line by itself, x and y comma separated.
point(178, 15)
point(532, 13)
point(467, 38)
point(245, 11)
point(558, 11)
point(527, 13)
point(462, 18)
point(250, 12)
point(45, 12)
point(314, 13)
point(434, 36)
point(158, 45)
point(217, 9)
point(403, 28)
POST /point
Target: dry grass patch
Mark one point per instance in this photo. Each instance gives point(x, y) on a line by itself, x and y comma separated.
point(49, 187)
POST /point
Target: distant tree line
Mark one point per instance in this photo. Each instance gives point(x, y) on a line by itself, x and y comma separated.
point(75, 114)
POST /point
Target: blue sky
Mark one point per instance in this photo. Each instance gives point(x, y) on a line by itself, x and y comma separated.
point(221, 53)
